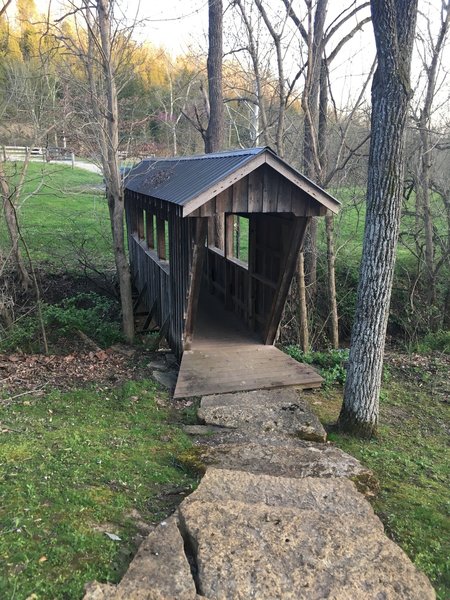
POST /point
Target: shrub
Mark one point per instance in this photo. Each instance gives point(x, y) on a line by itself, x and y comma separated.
point(331, 363)
point(438, 342)
point(91, 313)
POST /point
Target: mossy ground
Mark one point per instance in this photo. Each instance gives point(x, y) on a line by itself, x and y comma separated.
point(410, 457)
point(73, 467)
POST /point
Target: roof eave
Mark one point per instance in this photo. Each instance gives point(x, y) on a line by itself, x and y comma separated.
point(242, 170)
point(312, 189)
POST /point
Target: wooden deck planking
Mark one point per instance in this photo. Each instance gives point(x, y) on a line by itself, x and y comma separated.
point(247, 368)
point(227, 357)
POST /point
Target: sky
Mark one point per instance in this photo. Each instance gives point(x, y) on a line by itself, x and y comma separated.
point(177, 25)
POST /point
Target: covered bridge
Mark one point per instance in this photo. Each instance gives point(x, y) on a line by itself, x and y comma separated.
point(213, 242)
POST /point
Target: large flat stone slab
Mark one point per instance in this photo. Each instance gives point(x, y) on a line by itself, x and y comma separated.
point(159, 571)
point(304, 459)
point(337, 496)
point(279, 410)
point(253, 398)
point(270, 553)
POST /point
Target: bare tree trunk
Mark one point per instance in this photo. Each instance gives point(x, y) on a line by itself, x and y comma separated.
point(112, 172)
point(310, 104)
point(276, 37)
point(423, 206)
point(10, 213)
point(215, 129)
point(331, 263)
point(329, 219)
point(303, 313)
point(394, 23)
point(252, 49)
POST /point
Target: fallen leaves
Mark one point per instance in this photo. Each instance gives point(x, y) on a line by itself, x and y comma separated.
point(22, 374)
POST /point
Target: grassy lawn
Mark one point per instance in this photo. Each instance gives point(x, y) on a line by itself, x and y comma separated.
point(411, 460)
point(100, 458)
point(73, 467)
point(64, 216)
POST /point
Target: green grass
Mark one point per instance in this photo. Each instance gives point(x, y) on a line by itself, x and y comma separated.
point(349, 224)
point(63, 215)
point(72, 467)
point(411, 460)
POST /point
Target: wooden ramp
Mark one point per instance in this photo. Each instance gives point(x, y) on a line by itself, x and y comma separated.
point(225, 357)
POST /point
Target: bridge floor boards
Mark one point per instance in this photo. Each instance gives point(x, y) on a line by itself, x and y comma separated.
point(225, 357)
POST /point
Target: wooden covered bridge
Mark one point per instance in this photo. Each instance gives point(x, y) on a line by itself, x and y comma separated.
point(213, 242)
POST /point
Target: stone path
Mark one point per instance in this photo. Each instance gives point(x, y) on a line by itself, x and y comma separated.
point(277, 515)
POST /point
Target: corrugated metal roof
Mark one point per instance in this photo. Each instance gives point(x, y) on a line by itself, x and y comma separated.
point(183, 179)
point(180, 179)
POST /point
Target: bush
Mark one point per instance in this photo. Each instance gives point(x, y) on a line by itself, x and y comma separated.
point(330, 363)
point(90, 313)
point(437, 342)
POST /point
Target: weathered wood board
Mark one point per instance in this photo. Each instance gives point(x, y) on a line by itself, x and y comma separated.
point(215, 369)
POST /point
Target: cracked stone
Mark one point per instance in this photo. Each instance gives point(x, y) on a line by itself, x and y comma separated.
point(304, 459)
point(159, 571)
point(333, 495)
point(281, 552)
point(279, 410)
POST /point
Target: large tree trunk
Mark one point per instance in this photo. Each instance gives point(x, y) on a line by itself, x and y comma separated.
point(394, 24)
point(112, 172)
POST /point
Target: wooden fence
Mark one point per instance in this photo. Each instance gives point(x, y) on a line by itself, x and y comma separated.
point(37, 152)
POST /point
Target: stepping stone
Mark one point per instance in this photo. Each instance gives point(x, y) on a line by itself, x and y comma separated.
point(159, 571)
point(279, 410)
point(337, 496)
point(254, 398)
point(265, 552)
point(202, 430)
point(167, 379)
point(303, 459)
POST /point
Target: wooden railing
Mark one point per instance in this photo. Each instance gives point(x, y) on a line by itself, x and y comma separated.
point(151, 278)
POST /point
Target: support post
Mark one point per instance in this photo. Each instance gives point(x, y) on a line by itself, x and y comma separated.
point(198, 256)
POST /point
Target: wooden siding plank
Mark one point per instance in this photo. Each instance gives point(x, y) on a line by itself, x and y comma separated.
point(284, 203)
point(273, 185)
point(240, 196)
point(224, 201)
point(255, 186)
point(265, 191)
